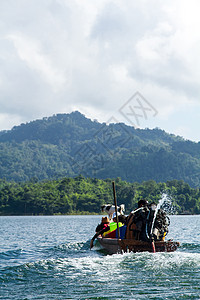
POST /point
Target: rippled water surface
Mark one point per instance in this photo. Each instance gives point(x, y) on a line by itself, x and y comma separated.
point(49, 258)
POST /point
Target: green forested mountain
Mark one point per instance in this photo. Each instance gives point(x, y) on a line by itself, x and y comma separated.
point(70, 144)
point(86, 195)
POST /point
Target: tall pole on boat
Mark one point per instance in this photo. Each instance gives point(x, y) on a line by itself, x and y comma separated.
point(115, 200)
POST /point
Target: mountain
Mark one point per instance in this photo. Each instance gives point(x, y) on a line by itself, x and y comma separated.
point(71, 144)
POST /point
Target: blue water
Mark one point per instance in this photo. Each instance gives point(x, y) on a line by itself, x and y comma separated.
point(49, 258)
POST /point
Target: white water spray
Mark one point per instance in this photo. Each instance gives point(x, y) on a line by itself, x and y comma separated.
point(165, 199)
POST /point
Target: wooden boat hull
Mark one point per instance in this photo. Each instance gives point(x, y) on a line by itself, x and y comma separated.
point(114, 246)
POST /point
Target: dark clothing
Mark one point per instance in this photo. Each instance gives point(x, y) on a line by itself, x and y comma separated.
point(100, 227)
point(122, 219)
point(106, 228)
point(136, 224)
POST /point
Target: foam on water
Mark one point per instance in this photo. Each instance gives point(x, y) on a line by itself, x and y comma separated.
point(69, 270)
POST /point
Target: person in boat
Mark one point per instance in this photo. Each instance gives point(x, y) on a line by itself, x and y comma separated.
point(139, 223)
point(113, 225)
point(113, 232)
point(142, 203)
point(100, 229)
point(141, 219)
point(136, 222)
point(110, 227)
point(104, 223)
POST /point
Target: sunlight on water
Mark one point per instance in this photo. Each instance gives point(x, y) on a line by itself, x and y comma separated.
point(67, 269)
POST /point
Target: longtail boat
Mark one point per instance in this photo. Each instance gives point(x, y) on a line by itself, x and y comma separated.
point(131, 239)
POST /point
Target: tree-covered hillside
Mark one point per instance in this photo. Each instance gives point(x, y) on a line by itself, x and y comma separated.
point(86, 195)
point(71, 144)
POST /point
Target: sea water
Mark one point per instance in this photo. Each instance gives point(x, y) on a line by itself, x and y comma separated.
point(48, 257)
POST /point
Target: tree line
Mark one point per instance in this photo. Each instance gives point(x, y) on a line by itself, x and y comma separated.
point(82, 195)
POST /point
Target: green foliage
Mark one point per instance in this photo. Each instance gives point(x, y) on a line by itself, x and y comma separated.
point(70, 144)
point(86, 195)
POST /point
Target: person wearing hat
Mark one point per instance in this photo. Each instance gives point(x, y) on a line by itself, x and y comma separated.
point(109, 228)
point(101, 228)
point(104, 223)
point(141, 219)
point(136, 221)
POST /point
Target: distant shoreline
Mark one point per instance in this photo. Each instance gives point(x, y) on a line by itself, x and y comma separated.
point(67, 214)
point(83, 214)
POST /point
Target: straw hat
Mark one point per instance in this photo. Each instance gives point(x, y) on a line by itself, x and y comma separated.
point(105, 220)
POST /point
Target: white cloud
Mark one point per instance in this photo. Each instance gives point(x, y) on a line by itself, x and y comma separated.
point(9, 120)
point(59, 55)
point(30, 52)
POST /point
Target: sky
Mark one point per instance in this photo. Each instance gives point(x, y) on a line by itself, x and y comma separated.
point(127, 61)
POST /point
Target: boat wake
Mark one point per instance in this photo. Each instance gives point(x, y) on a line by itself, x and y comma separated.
point(41, 265)
point(72, 267)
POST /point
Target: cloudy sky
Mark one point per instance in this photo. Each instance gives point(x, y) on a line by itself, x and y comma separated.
point(136, 62)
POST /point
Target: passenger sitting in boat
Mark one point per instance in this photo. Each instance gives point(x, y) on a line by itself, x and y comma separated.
point(106, 229)
point(100, 229)
point(122, 219)
point(104, 223)
point(113, 225)
point(141, 218)
point(136, 221)
point(113, 232)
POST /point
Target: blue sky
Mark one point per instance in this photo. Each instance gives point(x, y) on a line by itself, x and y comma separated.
point(57, 56)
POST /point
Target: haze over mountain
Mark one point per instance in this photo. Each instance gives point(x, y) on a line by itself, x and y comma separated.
point(71, 144)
